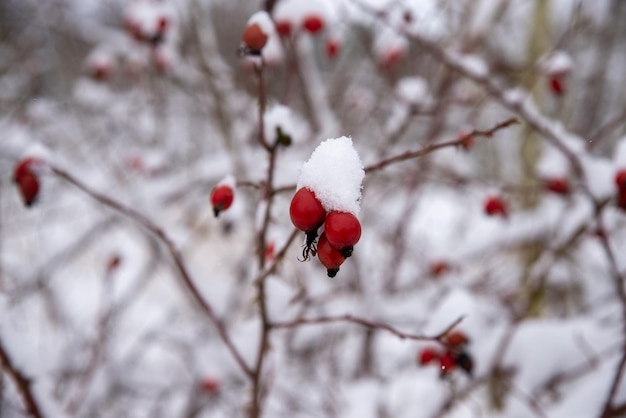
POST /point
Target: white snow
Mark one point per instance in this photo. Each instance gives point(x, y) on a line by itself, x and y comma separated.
point(335, 173)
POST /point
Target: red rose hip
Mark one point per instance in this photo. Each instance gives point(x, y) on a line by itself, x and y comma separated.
point(343, 231)
point(313, 23)
point(428, 355)
point(329, 256)
point(221, 198)
point(254, 37)
point(306, 211)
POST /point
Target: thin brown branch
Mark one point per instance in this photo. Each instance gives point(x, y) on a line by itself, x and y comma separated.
point(174, 253)
point(366, 323)
point(22, 382)
point(408, 155)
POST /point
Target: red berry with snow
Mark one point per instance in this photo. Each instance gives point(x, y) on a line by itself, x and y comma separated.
point(343, 230)
point(306, 211)
point(428, 355)
point(221, 198)
point(25, 166)
point(329, 256)
point(557, 185)
point(313, 23)
point(254, 37)
point(495, 206)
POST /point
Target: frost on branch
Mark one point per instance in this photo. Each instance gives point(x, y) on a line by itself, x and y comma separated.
point(335, 173)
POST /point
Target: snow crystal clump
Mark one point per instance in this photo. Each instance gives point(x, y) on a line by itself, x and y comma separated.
point(414, 90)
point(334, 173)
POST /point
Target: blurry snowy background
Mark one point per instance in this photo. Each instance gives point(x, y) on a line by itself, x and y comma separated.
point(148, 102)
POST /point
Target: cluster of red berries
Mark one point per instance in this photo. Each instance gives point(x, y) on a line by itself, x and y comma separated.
point(454, 354)
point(312, 23)
point(342, 230)
point(620, 183)
point(222, 197)
point(25, 177)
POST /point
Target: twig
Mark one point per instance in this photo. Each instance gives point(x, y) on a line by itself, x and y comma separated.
point(22, 382)
point(368, 324)
point(174, 253)
point(434, 147)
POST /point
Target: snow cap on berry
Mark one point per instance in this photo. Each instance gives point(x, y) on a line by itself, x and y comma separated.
point(335, 174)
point(272, 50)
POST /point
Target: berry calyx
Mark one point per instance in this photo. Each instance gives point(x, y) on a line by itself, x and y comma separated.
point(329, 256)
point(428, 355)
point(221, 198)
point(495, 206)
point(313, 23)
point(343, 230)
point(254, 37)
point(464, 360)
point(306, 211)
point(558, 185)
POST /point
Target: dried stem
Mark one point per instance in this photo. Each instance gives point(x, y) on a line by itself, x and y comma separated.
point(22, 382)
point(174, 253)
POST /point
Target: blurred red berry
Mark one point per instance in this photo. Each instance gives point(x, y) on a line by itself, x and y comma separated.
point(329, 256)
point(439, 268)
point(557, 185)
point(113, 263)
point(283, 27)
point(25, 166)
point(557, 84)
point(221, 198)
point(447, 363)
point(428, 355)
point(28, 185)
point(495, 206)
point(254, 37)
point(456, 339)
point(162, 24)
point(391, 57)
point(210, 386)
point(313, 24)
point(343, 231)
point(332, 47)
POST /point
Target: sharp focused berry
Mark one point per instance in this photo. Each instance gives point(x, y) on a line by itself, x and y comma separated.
point(221, 198)
point(343, 230)
point(306, 211)
point(329, 256)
